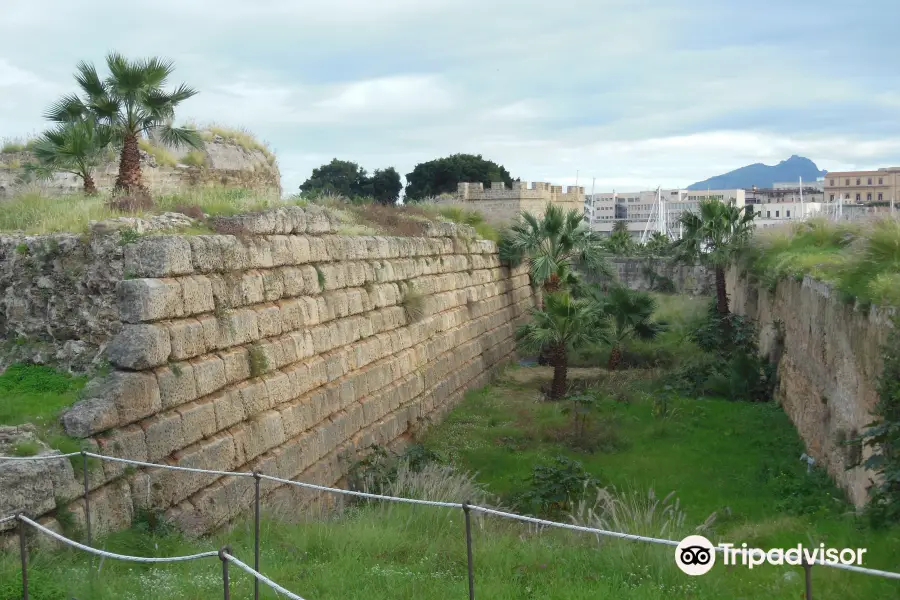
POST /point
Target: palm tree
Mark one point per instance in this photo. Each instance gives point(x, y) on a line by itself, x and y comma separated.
point(75, 147)
point(132, 102)
point(620, 243)
point(657, 243)
point(713, 237)
point(561, 325)
point(554, 246)
point(629, 315)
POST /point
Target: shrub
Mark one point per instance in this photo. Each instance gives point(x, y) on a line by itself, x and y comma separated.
point(414, 304)
point(557, 487)
point(26, 448)
point(163, 157)
point(194, 158)
point(380, 469)
point(191, 210)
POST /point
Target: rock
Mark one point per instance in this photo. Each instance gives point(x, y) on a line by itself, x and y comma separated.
point(159, 256)
point(140, 346)
point(87, 417)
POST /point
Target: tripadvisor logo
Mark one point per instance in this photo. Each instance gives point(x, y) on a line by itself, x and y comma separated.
point(696, 555)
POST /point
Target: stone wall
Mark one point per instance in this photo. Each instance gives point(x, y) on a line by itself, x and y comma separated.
point(500, 205)
point(287, 350)
point(828, 363)
point(650, 274)
point(226, 164)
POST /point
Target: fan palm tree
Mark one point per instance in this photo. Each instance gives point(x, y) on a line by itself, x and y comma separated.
point(76, 147)
point(554, 245)
point(132, 102)
point(713, 237)
point(657, 243)
point(561, 325)
point(629, 315)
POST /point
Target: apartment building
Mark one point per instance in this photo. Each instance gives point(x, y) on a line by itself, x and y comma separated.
point(786, 193)
point(859, 187)
point(637, 209)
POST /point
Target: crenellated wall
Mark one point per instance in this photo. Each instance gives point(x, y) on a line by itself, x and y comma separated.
point(286, 350)
point(500, 205)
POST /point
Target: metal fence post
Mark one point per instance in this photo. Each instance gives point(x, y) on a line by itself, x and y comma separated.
point(87, 497)
point(807, 567)
point(23, 554)
point(471, 566)
point(256, 476)
point(227, 586)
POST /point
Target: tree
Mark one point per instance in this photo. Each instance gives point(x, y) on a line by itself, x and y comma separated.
point(563, 324)
point(628, 315)
point(620, 243)
point(554, 245)
point(131, 101)
point(340, 177)
point(441, 176)
point(657, 244)
point(75, 147)
point(713, 236)
point(386, 185)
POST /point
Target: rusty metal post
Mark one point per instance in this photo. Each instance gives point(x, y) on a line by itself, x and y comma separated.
point(256, 476)
point(471, 565)
point(226, 584)
point(807, 568)
point(23, 554)
point(87, 498)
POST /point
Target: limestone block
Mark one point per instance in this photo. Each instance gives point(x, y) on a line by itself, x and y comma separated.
point(281, 250)
point(257, 435)
point(199, 420)
point(196, 292)
point(126, 442)
point(210, 326)
point(218, 253)
point(318, 373)
point(297, 416)
point(149, 299)
point(268, 319)
point(158, 256)
point(140, 346)
point(321, 339)
point(278, 388)
point(209, 374)
point(317, 221)
point(163, 434)
point(254, 397)
point(237, 327)
point(186, 339)
point(334, 247)
point(273, 285)
point(89, 416)
point(134, 395)
point(229, 410)
point(260, 253)
point(292, 314)
point(336, 365)
point(237, 364)
point(176, 384)
point(333, 275)
point(303, 344)
point(317, 250)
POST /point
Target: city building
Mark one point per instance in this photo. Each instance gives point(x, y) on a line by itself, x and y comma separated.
point(859, 187)
point(785, 193)
point(500, 204)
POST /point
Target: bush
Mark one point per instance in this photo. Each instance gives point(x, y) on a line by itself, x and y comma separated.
point(194, 158)
point(380, 469)
point(557, 487)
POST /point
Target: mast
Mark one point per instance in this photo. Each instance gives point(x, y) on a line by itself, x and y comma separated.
point(802, 207)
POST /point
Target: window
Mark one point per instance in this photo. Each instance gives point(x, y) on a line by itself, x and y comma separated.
point(857, 181)
point(768, 213)
point(846, 182)
point(777, 213)
point(869, 197)
point(788, 214)
point(880, 196)
point(880, 180)
point(832, 182)
point(870, 181)
point(832, 197)
point(857, 197)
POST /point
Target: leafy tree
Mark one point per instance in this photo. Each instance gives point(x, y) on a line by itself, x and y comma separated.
point(348, 179)
point(628, 315)
point(563, 324)
point(713, 236)
point(386, 185)
point(340, 177)
point(554, 245)
point(657, 244)
point(441, 176)
point(131, 101)
point(620, 243)
point(75, 147)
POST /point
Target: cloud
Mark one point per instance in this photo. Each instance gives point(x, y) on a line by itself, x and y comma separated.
point(636, 93)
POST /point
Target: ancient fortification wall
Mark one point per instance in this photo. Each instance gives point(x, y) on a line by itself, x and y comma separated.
point(285, 350)
point(656, 274)
point(500, 205)
point(225, 163)
point(828, 364)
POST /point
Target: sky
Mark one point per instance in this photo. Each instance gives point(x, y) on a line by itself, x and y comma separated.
point(615, 94)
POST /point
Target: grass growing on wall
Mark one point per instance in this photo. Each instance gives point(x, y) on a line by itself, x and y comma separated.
point(861, 259)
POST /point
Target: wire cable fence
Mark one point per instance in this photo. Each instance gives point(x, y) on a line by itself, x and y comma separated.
point(227, 558)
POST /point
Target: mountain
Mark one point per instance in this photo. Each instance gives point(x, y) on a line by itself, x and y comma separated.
point(762, 176)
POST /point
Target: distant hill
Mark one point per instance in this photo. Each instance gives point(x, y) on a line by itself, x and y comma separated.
point(762, 176)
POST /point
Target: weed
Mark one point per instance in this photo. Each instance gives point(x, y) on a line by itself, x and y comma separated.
point(128, 236)
point(66, 519)
point(555, 488)
point(22, 249)
point(320, 278)
point(194, 158)
point(26, 448)
point(162, 156)
point(413, 303)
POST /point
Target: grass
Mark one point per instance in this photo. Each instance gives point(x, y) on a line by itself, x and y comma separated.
point(460, 215)
point(861, 259)
point(240, 137)
point(194, 158)
point(163, 157)
point(11, 145)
